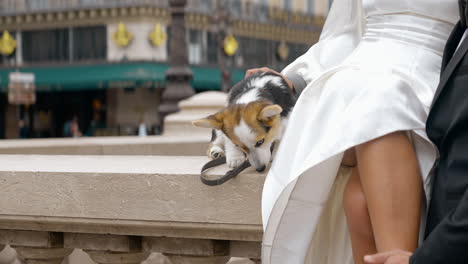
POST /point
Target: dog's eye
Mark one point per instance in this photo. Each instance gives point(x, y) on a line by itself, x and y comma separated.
point(259, 143)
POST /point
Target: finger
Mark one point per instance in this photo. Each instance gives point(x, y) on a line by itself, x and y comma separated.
point(249, 72)
point(378, 258)
point(275, 72)
point(256, 70)
point(394, 260)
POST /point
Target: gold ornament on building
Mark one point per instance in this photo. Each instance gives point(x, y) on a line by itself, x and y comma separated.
point(283, 50)
point(7, 44)
point(157, 36)
point(122, 37)
point(230, 45)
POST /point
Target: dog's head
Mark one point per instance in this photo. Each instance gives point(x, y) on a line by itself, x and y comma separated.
point(252, 127)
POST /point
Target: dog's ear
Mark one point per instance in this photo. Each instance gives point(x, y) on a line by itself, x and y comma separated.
point(213, 121)
point(270, 111)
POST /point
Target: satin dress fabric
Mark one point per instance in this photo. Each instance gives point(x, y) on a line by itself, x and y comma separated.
point(374, 71)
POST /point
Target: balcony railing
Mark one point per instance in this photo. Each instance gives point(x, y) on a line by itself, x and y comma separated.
point(12, 7)
point(122, 208)
point(235, 9)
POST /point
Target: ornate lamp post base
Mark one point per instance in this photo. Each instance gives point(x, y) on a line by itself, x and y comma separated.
point(178, 87)
point(179, 75)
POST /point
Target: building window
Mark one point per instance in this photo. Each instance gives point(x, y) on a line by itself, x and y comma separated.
point(296, 50)
point(212, 48)
point(203, 6)
point(254, 52)
point(45, 45)
point(195, 47)
point(89, 43)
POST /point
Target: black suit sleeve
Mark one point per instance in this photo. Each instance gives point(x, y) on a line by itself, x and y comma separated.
point(448, 242)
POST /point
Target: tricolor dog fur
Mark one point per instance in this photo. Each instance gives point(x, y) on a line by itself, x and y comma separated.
point(254, 118)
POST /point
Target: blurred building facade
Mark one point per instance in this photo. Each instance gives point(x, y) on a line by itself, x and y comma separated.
point(103, 62)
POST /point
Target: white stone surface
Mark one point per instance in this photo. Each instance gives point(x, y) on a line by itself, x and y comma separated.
point(195, 107)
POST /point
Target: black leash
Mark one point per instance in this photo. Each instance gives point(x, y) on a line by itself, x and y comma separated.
point(229, 175)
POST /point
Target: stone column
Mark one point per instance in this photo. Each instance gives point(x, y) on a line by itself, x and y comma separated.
point(179, 75)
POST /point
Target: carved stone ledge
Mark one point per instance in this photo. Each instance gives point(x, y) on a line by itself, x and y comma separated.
point(32, 255)
point(100, 242)
point(31, 238)
point(107, 257)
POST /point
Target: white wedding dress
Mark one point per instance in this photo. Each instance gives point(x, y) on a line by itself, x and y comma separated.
point(374, 71)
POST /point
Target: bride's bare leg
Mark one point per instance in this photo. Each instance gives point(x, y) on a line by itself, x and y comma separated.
point(357, 215)
point(390, 177)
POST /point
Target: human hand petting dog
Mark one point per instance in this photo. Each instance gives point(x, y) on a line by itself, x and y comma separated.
point(390, 257)
point(265, 69)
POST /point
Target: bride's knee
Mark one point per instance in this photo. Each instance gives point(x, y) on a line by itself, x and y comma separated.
point(356, 211)
point(354, 202)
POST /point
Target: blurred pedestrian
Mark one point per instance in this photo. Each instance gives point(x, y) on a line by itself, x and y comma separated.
point(72, 128)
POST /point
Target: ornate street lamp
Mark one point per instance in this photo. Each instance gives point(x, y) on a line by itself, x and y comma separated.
point(221, 21)
point(179, 75)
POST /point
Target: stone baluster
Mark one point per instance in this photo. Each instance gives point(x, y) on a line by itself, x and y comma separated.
point(189, 251)
point(8, 255)
point(36, 247)
point(108, 249)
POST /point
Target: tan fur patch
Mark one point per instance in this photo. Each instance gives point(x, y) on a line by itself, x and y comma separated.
point(250, 113)
point(229, 118)
point(252, 116)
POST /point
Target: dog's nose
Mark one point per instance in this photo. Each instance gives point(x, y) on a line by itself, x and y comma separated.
point(261, 169)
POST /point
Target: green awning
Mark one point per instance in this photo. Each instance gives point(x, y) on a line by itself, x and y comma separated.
point(122, 75)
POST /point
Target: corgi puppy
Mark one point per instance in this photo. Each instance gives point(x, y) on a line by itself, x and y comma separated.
point(254, 118)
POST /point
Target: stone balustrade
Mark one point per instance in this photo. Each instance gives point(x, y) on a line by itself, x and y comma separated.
point(119, 209)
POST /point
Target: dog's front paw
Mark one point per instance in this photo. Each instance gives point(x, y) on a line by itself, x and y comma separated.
point(234, 161)
point(215, 152)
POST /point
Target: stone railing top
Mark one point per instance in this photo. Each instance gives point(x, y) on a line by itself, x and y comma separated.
point(50, 142)
point(195, 144)
point(127, 195)
point(212, 99)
